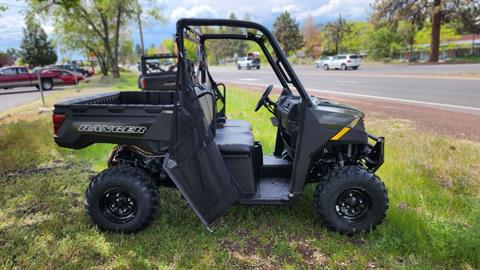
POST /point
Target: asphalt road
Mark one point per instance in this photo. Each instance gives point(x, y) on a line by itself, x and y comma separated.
point(11, 98)
point(442, 86)
point(455, 87)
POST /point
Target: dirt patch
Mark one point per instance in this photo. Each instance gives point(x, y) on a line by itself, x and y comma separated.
point(35, 170)
point(459, 125)
point(31, 207)
point(311, 255)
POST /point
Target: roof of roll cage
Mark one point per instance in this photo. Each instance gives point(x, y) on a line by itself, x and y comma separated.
point(186, 22)
point(190, 28)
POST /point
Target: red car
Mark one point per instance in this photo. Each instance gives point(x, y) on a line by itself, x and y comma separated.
point(64, 77)
point(12, 77)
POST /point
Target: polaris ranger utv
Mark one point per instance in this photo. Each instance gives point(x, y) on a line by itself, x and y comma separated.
point(184, 139)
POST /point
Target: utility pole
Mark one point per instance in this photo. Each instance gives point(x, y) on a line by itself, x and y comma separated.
point(40, 86)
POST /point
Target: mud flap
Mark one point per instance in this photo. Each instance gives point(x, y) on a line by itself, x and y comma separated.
point(204, 182)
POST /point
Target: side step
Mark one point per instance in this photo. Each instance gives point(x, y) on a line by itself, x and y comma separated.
point(270, 190)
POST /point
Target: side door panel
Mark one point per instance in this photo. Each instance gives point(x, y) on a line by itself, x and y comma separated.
point(195, 165)
point(23, 77)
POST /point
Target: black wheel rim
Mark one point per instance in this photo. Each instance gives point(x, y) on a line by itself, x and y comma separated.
point(352, 204)
point(118, 205)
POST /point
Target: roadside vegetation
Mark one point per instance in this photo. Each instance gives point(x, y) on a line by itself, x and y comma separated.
point(433, 220)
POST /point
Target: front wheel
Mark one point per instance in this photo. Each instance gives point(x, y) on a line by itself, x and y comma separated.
point(351, 199)
point(239, 67)
point(326, 67)
point(122, 199)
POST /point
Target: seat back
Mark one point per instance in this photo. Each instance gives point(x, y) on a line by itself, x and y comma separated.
point(206, 99)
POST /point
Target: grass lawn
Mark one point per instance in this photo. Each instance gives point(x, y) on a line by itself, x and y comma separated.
point(433, 220)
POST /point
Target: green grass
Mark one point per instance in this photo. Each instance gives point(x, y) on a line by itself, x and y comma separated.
point(433, 220)
point(465, 59)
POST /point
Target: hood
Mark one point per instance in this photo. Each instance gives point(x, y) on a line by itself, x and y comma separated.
point(334, 115)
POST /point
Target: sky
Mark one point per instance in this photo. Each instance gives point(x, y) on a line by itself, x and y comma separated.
point(264, 12)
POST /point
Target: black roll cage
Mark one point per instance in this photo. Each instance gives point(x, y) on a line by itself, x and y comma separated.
point(282, 68)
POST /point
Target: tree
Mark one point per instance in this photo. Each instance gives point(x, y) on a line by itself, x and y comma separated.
point(36, 49)
point(447, 33)
point(469, 21)
point(73, 36)
point(415, 11)
point(3, 8)
point(126, 53)
point(234, 46)
point(311, 38)
point(153, 13)
point(384, 42)
point(138, 50)
point(336, 31)
point(358, 39)
point(6, 59)
point(105, 18)
point(286, 31)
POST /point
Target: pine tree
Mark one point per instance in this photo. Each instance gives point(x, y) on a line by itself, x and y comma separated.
point(286, 31)
point(36, 49)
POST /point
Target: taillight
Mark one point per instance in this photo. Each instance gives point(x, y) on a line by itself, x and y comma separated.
point(57, 120)
point(143, 83)
point(349, 61)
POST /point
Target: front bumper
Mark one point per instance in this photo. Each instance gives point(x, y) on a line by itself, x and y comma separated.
point(374, 153)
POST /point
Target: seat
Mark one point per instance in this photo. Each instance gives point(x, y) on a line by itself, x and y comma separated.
point(232, 141)
point(237, 123)
point(235, 136)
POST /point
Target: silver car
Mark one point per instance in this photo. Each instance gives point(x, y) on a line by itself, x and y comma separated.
point(343, 61)
point(322, 61)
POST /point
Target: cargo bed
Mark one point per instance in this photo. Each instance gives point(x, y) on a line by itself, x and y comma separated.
point(130, 117)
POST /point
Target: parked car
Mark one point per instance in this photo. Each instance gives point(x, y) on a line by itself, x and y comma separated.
point(343, 61)
point(322, 61)
point(65, 77)
point(12, 77)
point(183, 138)
point(249, 62)
point(73, 68)
point(157, 72)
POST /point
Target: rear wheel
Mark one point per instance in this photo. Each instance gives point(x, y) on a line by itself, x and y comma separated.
point(248, 66)
point(344, 67)
point(239, 67)
point(326, 67)
point(122, 199)
point(351, 199)
point(47, 84)
point(258, 67)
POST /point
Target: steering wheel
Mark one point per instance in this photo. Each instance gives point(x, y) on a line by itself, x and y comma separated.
point(264, 100)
